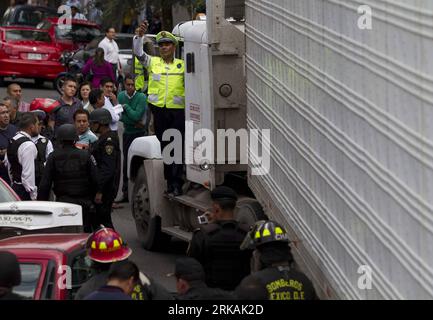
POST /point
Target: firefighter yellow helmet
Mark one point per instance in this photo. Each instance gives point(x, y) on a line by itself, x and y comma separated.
point(265, 232)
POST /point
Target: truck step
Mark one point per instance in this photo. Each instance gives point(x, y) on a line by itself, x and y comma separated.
point(178, 233)
point(190, 202)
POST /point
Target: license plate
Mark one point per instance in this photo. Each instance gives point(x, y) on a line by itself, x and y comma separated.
point(34, 56)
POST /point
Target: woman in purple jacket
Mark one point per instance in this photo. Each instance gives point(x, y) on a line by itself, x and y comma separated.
point(99, 68)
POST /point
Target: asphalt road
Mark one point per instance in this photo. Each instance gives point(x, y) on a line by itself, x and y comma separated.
point(155, 264)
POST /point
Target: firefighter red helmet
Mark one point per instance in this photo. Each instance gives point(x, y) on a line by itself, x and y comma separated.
point(106, 246)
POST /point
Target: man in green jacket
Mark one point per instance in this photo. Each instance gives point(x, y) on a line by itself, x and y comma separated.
point(134, 121)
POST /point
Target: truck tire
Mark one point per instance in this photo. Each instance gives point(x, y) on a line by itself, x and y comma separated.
point(249, 211)
point(148, 225)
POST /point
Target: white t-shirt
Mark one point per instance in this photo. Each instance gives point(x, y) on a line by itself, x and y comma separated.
point(111, 50)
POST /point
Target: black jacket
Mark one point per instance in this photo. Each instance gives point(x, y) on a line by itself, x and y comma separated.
point(217, 247)
point(106, 151)
point(200, 291)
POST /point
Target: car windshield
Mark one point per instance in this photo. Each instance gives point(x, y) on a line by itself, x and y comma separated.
point(30, 274)
point(6, 194)
point(27, 35)
point(77, 33)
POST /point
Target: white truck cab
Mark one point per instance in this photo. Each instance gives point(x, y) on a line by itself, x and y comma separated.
point(215, 85)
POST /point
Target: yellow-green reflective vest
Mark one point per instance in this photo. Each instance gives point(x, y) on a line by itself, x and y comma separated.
point(166, 83)
point(139, 75)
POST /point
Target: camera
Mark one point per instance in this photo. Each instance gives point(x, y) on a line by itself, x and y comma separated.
point(203, 219)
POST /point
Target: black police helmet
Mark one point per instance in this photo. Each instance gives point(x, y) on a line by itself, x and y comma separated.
point(10, 273)
point(223, 193)
point(66, 132)
point(101, 116)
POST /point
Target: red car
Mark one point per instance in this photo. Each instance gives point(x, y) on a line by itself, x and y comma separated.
point(70, 39)
point(28, 53)
point(42, 261)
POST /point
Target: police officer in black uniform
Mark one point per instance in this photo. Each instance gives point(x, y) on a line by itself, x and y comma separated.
point(274, 276)
point(190, 283)
point(73, 172)
point(44, 147)
point(21, 155)
point(217, 245)
point(106, 151)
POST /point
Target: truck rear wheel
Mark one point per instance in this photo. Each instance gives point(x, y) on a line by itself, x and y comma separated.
point(148, 224)
point(249, 211)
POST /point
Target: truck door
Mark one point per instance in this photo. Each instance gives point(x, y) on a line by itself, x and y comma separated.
point(199, 116)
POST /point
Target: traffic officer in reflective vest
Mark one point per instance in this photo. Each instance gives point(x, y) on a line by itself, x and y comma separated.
point(217, 245)
point(274, 276)
point(44, 147)
point(106, 151)
point(21, 155)
point(166, 97)
point(73, 173)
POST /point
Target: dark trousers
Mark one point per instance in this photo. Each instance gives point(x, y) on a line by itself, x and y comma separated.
point(114, 66)
point(165, 119)
point(21, 192)
point(127, 141)
point(87, 207)
point(103, 211)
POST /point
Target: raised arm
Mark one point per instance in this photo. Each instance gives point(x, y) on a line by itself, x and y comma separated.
point(138, 42)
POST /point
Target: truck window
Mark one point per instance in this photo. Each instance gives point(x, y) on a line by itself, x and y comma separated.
point(30, 274)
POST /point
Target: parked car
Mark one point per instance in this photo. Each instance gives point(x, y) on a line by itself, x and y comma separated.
point(50, 235)
point(26, 15)
point(42, 256)
point(80, 33)
point(28, 53)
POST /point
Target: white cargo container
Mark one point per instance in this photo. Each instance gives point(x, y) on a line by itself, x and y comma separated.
point(350, 112)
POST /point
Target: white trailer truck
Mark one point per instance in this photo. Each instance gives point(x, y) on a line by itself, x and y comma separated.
point(350, 113)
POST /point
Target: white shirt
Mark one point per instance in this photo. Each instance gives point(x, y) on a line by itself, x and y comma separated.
point(142, 56)
point(49, 146)
point(79, 16)
point(27, 154)
point(111, 50)
point(114, 125)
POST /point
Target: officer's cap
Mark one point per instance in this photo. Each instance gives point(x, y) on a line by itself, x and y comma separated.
point(223, 192)
point(189, 269)
point(165, 36)
point(10, 273)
